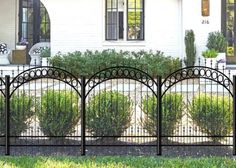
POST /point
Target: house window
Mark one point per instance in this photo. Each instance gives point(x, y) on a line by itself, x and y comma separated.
point(34, 22)
point(124, 12)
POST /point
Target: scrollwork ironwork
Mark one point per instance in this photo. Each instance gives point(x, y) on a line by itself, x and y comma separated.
point(197, 72)
point(121, 72)
point(45, 72)
point(2, 86)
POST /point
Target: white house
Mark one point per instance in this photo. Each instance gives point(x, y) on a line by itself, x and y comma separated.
point(72, 25)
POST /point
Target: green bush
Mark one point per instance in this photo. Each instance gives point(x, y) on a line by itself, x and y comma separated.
point(214, 114)
point(108, 113)
point(46, 52)
point(172, 106)
point(89, 62)
point(210, 53)
point(21, 111)
point(59, 114)
point(190, 48)
point(216, 41)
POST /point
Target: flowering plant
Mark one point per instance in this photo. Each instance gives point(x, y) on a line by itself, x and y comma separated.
point(23, 42)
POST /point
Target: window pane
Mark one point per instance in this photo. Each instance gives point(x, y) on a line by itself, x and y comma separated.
point(135, 20)
point(111, 4)
point(111, 32)
point(112, 20)
point(131, 3)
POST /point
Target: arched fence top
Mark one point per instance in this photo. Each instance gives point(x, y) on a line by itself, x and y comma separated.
point(2, 86)
point(121, 72)
point(197, 72)
point(45, 72)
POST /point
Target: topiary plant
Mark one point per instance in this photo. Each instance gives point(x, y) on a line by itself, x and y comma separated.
point(190, 48)
point(172, 105)
point(59, 114)
point(216, 41)
point(21, 110)
point(213, 114)
point(108, 113)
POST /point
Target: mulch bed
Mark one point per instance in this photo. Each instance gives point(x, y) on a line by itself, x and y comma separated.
point(172, 151)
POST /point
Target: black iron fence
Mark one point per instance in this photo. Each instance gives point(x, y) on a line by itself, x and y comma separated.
point(119, 110)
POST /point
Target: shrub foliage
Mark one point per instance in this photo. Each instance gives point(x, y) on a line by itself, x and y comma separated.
point(59, 114)
point(21, 110)
point(216, 41)
point(89, 62)
point(214, 114)
point(108, 113)
point(172, 106)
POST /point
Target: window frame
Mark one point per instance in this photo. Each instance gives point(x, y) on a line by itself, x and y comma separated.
point(125, 22)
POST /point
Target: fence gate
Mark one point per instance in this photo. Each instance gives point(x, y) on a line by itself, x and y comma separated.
point(42, 112)
point(121, 112)
point(197, 110)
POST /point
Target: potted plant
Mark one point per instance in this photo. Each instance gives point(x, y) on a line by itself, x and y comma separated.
point(218, 42)
point(45, 54)
point(210, 57)
point(22, 44)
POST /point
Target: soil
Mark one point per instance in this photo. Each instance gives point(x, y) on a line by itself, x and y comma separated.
point(170, 151)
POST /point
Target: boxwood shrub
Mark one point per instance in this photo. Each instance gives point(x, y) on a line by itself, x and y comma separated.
point(214, 114)
point(21, 111)
point(59, 114)
point(172, 106)
point(89, 62)
point(108, 113)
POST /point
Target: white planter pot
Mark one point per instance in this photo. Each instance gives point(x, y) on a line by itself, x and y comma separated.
point(210, 62)
point(35, 60)
point(4, 60)
point(20, 47)
point(44, 61)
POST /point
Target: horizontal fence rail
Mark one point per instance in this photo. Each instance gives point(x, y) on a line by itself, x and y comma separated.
point(119, 110)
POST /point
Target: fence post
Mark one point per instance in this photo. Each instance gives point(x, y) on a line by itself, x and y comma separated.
point(83, 115)
point(159, 116)
point(234, 115)
point(7, 115)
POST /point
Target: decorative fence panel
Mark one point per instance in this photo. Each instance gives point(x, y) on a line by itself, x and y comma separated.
point(44, 114)
point(117, 111)
point(198, 111)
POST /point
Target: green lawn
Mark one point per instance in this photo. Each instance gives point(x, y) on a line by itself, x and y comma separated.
point(114, 162)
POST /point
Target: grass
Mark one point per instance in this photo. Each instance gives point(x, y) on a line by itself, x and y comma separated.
point(115, 162)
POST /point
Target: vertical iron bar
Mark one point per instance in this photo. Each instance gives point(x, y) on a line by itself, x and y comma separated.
point(7, 115)
point(83, 116)
point(234, 115)
point(159, 116)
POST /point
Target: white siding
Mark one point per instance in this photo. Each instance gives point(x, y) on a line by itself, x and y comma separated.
point(79, 25)
point(8, 22)
point(192, 19)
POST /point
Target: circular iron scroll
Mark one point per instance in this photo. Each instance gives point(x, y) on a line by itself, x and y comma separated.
point(121, 72)
point(45, 72)
point(197, 72)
